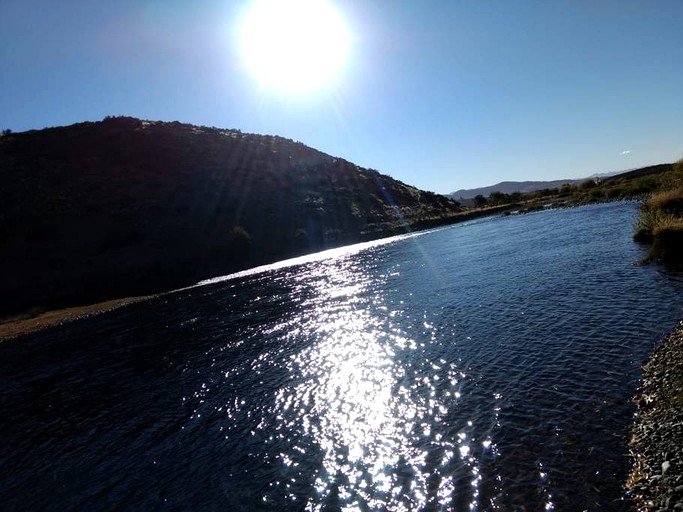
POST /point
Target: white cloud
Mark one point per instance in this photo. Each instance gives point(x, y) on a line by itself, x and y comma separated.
point(626, 152)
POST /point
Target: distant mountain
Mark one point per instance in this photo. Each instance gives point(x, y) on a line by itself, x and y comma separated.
point(508, 187)
point(122, 207)
point(609, 174)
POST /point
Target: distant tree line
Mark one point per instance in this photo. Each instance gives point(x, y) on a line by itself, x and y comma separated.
point(497, 198)
point(633, 184)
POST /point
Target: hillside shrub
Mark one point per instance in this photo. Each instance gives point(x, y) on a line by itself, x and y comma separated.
point(301, 234)
point(239, 234)
point(480, 201)
point(596, 194)
point(674, 179)
point(567, 189)
point(497, 198)
point(678, 166)
point(614, 192)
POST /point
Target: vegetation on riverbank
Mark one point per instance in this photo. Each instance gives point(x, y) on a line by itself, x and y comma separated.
point(660, 221)
point(635, 184)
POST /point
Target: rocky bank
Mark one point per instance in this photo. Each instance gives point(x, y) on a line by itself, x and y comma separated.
point(656, 481)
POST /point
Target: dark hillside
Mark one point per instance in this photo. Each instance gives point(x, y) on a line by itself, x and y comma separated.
point(95, 211)
point(652, 170)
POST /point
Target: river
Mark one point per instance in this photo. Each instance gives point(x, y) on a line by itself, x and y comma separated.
point(483, 366)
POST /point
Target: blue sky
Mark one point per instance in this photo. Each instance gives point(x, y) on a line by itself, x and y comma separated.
point(441, 95)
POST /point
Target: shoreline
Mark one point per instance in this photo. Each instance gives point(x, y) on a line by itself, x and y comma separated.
point(17, 325)
point(23, 324)
point(20, 324)
point(656, 445)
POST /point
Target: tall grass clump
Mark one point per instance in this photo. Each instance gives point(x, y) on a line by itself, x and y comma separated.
point(660, 223)
point(669, 202)
point(667, 243)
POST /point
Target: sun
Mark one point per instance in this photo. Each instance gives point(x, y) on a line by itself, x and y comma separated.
point(294, 45)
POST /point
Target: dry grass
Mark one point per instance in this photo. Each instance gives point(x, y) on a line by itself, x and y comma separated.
point(663, 210)
point(16, 326)
point(650, 221)
point(669, 202)
point(667, 243)
point(668, 223)
point(660, 223)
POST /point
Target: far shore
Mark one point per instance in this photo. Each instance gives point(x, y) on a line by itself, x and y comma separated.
point(23, 324)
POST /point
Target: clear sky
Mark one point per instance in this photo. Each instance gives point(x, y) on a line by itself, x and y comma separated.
point(441, 94)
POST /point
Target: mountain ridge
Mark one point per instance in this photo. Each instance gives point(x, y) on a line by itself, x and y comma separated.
point(508, 187)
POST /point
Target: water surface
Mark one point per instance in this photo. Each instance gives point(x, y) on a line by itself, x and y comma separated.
point(483, 366)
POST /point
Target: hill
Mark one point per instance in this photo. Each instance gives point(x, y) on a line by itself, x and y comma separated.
point(633, 174)
point(100, 210)
point(508, 187)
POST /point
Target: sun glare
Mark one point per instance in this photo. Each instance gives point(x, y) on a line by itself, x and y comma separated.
point(294, 45)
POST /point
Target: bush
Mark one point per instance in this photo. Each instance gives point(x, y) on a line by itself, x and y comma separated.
point(596, 193)
point(667, 243)
point(648, 222)
point(670, 202)
point(660, 222)
point(496, 198)
point(239, 234)
point(614, 192)
point(678, 167)
point(567, 189)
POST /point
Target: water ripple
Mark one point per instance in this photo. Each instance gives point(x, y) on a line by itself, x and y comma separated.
point(485, 366)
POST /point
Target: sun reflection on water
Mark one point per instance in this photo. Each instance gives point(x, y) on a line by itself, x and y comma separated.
point(364, 400)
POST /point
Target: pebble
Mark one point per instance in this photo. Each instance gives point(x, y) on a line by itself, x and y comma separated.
point(665, 467)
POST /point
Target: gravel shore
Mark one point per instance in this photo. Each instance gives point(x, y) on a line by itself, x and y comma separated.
point(656, 481)
point(12, 327)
